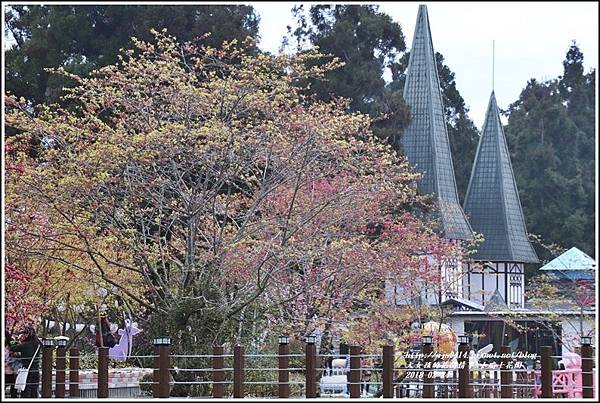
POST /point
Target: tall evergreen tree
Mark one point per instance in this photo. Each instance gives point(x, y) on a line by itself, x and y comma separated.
point(551, 135)
point(81, 38)
point(370, 43)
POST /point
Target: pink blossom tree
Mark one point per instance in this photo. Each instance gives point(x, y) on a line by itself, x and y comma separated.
point(211, 194)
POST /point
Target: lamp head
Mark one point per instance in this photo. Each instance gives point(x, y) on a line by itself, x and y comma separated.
point(162, 341)
point(61, 341)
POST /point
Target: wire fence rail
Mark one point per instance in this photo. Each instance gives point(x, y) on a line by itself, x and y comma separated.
point(308, 374)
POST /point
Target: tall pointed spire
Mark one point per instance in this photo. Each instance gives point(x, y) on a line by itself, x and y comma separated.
point(425, 141)
point(492, 201)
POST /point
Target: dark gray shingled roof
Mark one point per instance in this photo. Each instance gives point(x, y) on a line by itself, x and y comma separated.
point(492, 201)
point(425, 141)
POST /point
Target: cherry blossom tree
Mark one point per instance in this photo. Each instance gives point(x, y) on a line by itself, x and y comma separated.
point(569, 302)
point(210, 194)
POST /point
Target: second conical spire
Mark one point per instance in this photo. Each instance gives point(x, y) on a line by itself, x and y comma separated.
point(492, 201)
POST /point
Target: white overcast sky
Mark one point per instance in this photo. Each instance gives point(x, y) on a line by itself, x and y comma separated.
point(531, 40)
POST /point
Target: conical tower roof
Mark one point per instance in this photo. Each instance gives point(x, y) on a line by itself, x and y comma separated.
point(492, 201)
point(425, 141)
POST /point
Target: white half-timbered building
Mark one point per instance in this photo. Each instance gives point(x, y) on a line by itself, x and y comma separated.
point(479, 292)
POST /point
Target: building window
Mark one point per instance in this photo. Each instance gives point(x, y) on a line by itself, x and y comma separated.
point(515, 289)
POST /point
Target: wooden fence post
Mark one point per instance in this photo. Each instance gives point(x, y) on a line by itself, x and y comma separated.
point(164, 363)
point(61, 353)
point(74, 372)
point(218, 362)
point(546, 371)
point(238, 371)
point(587, 367)
point(506, 375)
point(388, 371)
point(47, 353)
point(464, 374)
point(311, 368)
point(427, 351)
point(354, 374)
point(102, 372)
point(284, 364)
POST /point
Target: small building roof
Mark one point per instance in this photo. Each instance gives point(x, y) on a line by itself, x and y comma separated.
point(573, 265)
point(496, 302)
point(464, 303)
